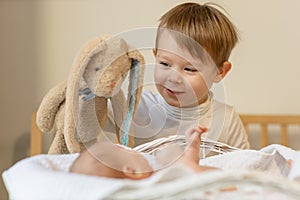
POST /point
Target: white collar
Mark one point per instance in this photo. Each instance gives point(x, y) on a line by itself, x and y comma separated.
point(192, 113)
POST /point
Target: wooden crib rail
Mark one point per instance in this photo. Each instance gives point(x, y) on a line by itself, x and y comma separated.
point(264, 120)
point(35, 137)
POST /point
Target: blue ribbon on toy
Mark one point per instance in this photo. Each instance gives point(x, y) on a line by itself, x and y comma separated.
point(86, 94)
point(135, 73)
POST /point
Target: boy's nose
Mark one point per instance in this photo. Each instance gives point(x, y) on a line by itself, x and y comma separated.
point(175, 77)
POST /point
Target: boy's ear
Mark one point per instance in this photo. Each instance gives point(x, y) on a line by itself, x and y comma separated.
point(223, 70)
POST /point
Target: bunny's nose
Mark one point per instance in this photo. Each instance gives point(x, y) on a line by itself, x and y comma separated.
point(112, 84)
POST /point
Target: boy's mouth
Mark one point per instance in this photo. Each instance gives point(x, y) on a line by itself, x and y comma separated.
point(173, 92)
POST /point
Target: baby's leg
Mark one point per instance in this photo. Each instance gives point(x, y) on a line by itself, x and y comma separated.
point(191, 156)
point(171, 153)
point(193, 136)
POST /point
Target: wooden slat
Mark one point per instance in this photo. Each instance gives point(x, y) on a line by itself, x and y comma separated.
point(35, 137)
point(264, 135)
point(264, 120)
point(284, 135)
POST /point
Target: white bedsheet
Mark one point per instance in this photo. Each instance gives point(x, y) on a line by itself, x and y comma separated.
point(47, 177)
point(271, 159)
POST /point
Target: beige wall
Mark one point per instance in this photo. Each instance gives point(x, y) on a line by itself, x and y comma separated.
point(39, 40)
point(18, 83)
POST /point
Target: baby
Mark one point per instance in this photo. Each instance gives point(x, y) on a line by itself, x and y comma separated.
point(110, 160)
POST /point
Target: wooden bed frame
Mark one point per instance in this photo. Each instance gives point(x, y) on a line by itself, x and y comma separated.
point(265, 120)
point(36, 141)
point(262, 120)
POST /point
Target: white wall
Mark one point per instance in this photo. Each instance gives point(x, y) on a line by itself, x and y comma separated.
point(39, 40)
point(266, 65)
point(265, 62)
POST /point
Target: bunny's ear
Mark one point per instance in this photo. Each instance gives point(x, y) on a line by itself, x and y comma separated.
point(134, 94)
point(74, 83)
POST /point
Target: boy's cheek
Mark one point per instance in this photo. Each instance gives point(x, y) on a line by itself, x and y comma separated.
point(209, 77)
point(159, 76)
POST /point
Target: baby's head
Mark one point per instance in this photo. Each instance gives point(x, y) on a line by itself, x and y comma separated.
point(109, 160)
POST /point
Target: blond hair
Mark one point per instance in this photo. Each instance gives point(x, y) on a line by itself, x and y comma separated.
point(206, 25)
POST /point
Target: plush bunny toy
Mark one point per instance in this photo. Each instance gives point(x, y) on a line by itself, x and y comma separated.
point(76, 109)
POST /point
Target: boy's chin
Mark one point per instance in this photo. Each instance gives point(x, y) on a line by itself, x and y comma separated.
point(187, 104)
point(183, 104)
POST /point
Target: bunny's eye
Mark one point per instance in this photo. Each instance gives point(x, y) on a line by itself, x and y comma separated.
point(97, 69)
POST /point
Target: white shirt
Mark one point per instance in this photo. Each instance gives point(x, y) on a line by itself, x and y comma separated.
point(155, 119)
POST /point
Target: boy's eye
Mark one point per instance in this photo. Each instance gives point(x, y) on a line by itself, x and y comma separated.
point(164, 64)
point(190, 69)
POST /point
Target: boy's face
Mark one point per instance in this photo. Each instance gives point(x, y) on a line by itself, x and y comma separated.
point(181, 79)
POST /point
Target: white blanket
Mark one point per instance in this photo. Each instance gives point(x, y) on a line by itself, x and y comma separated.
point(47, 177)
point(271, 159)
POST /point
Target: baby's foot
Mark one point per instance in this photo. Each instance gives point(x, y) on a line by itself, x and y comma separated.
point(193, 143)
point(191, 155)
